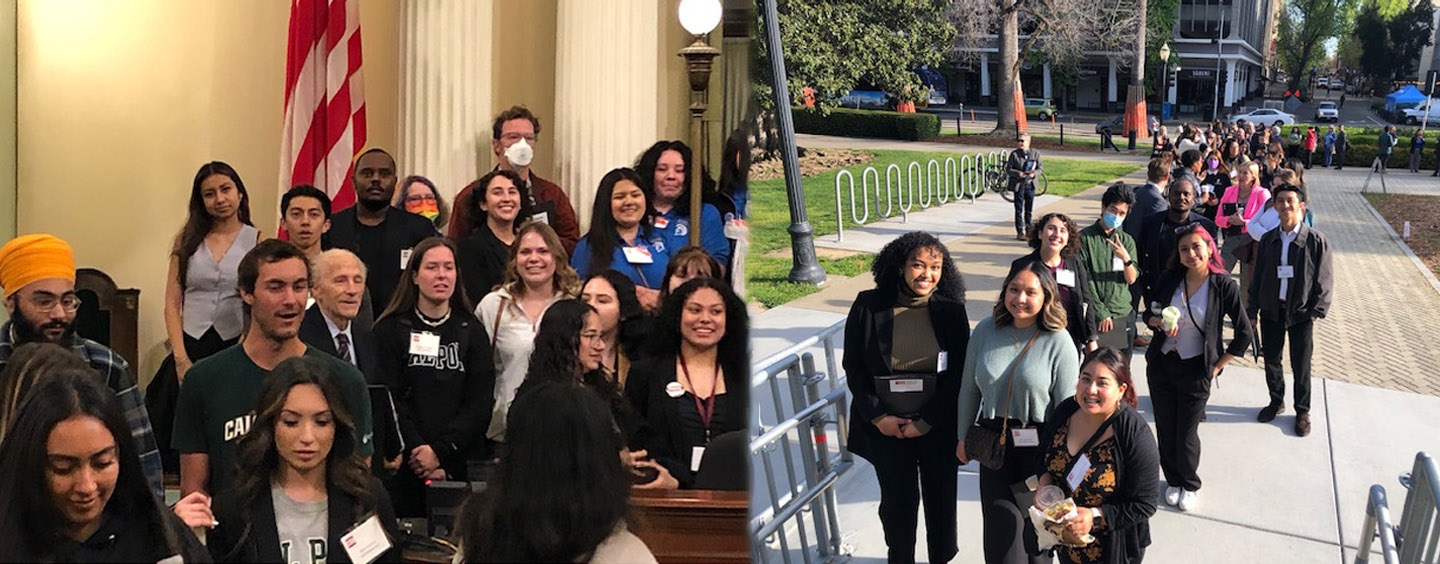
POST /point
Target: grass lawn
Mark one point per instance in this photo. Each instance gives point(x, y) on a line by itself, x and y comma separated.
point(770, 216)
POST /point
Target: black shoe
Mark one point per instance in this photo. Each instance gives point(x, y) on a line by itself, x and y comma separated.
point(1019, 236)
point(1302, 424)
point(1268, 414)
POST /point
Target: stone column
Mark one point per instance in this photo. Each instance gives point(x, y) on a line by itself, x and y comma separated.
point(445, 91)
point(1230, 82)
point(605, 83)
point(1112, 96)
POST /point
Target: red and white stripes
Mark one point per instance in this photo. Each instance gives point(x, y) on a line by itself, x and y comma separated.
point(324, 98)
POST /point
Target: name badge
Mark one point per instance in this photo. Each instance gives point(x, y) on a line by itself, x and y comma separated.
point(1078, 472)
point(1116, 264)
point(404, 258)
point(907, 385)
point(696, 455)
point(1285, 271)
point(638, 255)
point(943, 363)
point(661, 223)
point(366, 541)
point(1025, 437)
point(424, 344)
point(542, 217)
point(1065, 277)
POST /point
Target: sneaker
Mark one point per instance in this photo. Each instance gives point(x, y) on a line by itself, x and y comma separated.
point(1302, 424)
point(1172, 495)
point(1268, 414)
point(1188, 500)
point(1142, 341)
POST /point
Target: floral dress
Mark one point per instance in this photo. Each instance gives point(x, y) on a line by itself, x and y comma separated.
point(1097, 487)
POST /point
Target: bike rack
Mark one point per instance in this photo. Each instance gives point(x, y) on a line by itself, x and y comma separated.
point(935, 182)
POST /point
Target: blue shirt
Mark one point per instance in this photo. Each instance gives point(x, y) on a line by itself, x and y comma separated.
point(646, 275)
point(676, 231)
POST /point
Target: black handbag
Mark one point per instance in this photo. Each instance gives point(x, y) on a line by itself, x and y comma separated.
point(988, 445)
point(904, 394)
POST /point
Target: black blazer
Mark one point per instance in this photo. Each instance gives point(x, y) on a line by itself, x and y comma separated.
point(1311, 289)
point(1082, 324)
point(645, 389)
point(1224, 300)
point(263, 544)
point(1137, 487)
point(481, 258)
point(868, 333)
point(314, 332)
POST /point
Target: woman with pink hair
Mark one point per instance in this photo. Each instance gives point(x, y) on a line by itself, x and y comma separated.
point(1193, 297)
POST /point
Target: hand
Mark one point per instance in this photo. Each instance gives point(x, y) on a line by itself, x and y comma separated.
point(960, 453)
point(393, 465)
point(1090, 346)
point(1173, 331)
point(892, 426)
point(663, 481)
point(1119, 250)
point(438, 475)
point(649, 299)
point(1255, 323)
point(910, 432)
point(182, 365)
point(1155, 322)
point(1237, 219)
point(423, 460)
point(1218, 369)
point(634, 458)
point(194, 510)
point(1080, 525)
point(1106, 325)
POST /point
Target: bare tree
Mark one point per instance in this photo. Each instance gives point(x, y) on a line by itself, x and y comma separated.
point(1059, 31)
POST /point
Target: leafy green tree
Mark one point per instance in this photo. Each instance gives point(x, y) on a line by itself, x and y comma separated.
point(1304, 26)
point(1390, 48)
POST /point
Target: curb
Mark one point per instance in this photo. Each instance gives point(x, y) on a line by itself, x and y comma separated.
point(1430, 276)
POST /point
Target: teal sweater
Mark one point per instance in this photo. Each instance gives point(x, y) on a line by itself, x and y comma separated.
point(1045, 377)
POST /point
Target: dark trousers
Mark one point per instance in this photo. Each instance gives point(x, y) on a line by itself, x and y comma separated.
point(1179, 389)
point(1302, 346)
point(1339, 159)
point(1024, 202)
point(909, 470)
point(1009, 535)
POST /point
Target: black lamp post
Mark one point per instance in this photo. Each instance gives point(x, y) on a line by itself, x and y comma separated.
point(802, 236)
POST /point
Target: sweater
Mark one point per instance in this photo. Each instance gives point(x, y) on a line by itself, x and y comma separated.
point(1043, 378)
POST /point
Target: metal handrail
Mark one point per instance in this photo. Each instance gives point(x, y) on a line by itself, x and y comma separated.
point(1416, 539)
point(942, 182)
point(1377, 523)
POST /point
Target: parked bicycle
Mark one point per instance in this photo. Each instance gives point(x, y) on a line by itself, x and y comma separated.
point(997, 181)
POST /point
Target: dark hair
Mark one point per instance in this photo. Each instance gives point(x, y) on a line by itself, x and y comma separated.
point(1190, 157)
point(734, 162)
point(892, 258)
point(1216, 265)
point(1298, 168)
point(1299, 191)
point(1052, 314)
point(258, 459)
point(28, 365)
point(30, 524)
point(604, 234)
point(355, 165)
point(476, 217)
point(305, 191)
point(1157, 170)
point(1118, 364)
point(440, 205)
point(687, 257)
point(1119, 193)
point(646, 164)
point(407, 294)
point(566, 281)
point(734, 348)
point(634, 325)
point(556, 355)
point(561, 488)
point(198, 221)
point(269, 251)
point(1071, 247)
point(513, 112)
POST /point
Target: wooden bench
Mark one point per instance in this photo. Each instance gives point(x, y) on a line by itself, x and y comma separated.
point(683, 526)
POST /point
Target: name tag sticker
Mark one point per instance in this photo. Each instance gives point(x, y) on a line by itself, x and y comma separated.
point(1285, 272)
point(1065, 277)
point(638, 255)
point(404, 258)
point(907, 385)
point(696, 455)
point(424, 344)
point(1116, 264)
point(1025, 437)
point(366, 542)
point(542, 217)
point(661, 223)
point(943, 363)
point(1078, 472)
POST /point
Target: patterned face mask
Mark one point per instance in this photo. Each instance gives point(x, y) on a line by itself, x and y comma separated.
point(423, 206)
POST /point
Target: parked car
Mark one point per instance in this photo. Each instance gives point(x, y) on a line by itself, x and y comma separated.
point(1038, 108)
point(1117, 124)
point(1413, 116)
point(1265, 116)
point(1323, 82)
point(1327, 111)
point(866, 100)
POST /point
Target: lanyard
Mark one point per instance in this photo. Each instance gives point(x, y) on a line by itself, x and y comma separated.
point(707, 409)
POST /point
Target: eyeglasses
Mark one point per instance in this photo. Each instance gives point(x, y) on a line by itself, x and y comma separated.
point(513, 137)
point(420, 198)
point(46, 302)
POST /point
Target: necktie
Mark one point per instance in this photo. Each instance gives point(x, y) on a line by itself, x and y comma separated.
point(342, 342)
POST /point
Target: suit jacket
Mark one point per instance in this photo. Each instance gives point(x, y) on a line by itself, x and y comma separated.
point(263, 543)
point(1148, 201)
point(1082, 324)
point(868, 345)
point(1224, 301)
point(316, 333)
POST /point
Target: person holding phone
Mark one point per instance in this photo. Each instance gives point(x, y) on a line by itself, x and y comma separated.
point(1241, 202)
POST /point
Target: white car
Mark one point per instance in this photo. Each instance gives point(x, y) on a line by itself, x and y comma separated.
point(1265, 116)
point(1323, 82)
point(1327, 111)
point(1413, 116)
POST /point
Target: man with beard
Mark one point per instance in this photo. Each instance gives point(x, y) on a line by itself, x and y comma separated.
point(1155, 238)
point(379, 234)
point(217, 399)
point(38, 275)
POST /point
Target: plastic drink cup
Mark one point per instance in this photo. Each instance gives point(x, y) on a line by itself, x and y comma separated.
point(1171, 317)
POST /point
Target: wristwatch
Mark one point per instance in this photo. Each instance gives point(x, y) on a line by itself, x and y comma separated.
point(1130, 262)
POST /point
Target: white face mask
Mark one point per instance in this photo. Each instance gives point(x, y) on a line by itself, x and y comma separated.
point(520, 153)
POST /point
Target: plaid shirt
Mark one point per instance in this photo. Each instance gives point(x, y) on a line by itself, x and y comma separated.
point(116, 372)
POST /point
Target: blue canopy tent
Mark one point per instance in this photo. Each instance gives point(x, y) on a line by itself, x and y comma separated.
point(1407, 96)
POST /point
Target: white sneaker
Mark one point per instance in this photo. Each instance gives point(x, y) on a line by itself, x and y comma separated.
point(1172, 495)
point(1188, 500)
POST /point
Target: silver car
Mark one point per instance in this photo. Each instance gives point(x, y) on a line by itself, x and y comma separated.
point(1327, 111)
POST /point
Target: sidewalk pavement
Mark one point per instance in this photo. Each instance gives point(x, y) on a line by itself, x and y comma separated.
point(1269, 496)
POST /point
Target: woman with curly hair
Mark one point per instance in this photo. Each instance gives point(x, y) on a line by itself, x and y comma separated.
point(1020, 364)
point(1056, 240)
point(499, 205)
point(623, 323)
point(302, 484)
point(905, 342)
point(695, 384)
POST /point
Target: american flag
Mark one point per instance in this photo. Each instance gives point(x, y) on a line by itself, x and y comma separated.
point(324, 98)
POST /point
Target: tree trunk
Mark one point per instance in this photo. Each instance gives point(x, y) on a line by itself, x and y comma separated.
point(1009, 69)
point(1136, 121)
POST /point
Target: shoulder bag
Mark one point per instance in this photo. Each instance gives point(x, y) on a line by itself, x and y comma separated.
point(988, 445)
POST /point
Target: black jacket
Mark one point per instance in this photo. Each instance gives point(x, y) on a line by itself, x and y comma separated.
point(1156, 242)
point(664, 428)
point(263, 543)
point(120, 539)
point(316, 333)
point(1018, 163)
point(1310, 290)
point(1082, 324)
point(1148, 201)
point(481, 258)
point(1137, 487)
point(378, 247)
point(868, 333)
point(1224, 300)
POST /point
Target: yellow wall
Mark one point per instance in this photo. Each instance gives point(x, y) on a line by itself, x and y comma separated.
point(524, 51)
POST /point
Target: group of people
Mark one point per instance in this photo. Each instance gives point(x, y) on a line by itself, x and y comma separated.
point(319, 384)
point(1041, 392)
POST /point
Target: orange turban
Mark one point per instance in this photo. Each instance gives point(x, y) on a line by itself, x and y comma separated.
point(29, 258)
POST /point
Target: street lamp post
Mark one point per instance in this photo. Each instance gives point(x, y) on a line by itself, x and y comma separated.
point(806, 269)
point(699, 17)
point(1164, 81)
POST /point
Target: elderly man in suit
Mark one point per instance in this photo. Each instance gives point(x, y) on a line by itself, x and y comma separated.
point(339, 283)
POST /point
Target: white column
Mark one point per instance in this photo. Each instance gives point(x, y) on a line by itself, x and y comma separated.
point(984, 74)
point(1173, 87)
point(605, 83)
point(445, 76)
point(1230, 82)
point(1045, 73)
point(1114, 92)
